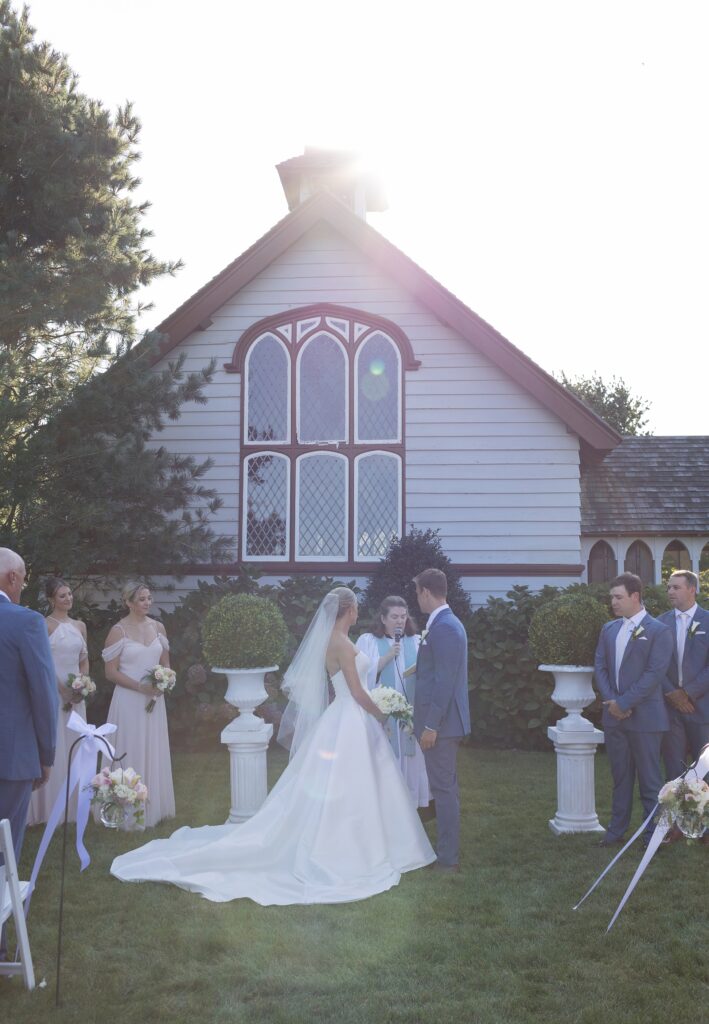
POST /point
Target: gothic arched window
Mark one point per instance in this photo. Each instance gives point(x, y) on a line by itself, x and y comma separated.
point(323, 435)
point(638, 559)
point(602, 565)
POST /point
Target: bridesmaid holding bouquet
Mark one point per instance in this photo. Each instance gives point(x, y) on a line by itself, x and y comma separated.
point(134, 647)
point(67, 642)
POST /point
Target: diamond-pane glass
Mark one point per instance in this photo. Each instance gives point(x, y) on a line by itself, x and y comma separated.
point(266, 506)
point(377, 390)
point(377, 504)
point(322, 509)
point(322, 397)
point(268, 391)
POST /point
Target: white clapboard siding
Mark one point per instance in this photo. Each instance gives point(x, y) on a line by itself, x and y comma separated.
point(485, 462)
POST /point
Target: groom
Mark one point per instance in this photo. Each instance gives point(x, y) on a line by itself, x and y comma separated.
point(441, 710)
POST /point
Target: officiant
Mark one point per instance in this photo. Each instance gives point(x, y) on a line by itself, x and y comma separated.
point(392, 648)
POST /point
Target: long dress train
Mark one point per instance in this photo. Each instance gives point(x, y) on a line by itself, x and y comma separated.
point(339, 825)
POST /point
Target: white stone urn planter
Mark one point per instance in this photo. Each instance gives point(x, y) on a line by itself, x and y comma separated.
point(246, 738)
point(575, 742)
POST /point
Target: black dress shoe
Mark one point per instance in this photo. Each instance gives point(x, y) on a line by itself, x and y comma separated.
point(609, 840)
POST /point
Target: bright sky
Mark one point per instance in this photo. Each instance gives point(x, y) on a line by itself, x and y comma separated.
point(546, 161)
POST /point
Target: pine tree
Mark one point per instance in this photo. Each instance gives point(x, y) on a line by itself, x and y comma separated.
point(81, 490)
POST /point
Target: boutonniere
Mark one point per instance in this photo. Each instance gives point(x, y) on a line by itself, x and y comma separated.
point(424, 634)
point(694, 626)
point(637, 633)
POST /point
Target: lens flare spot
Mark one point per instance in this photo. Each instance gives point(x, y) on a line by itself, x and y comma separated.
point(375, 387)
point(327, 755)
point(376, 367)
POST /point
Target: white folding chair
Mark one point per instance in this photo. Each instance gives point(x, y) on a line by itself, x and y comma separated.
point(13, 893)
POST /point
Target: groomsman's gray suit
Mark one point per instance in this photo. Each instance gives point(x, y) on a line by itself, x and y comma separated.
point(687, 730)
point(441, 703)
point(633, 745)
point(29, 705)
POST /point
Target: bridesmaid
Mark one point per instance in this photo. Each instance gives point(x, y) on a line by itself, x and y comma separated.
point(67, 641)
point(134, 646)
point(388, 661)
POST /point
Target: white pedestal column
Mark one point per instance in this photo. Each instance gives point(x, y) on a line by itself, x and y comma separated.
point(247, 763)
point(575, 741)
point(575, 780)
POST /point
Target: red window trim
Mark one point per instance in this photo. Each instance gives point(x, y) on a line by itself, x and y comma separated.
point(292, 449)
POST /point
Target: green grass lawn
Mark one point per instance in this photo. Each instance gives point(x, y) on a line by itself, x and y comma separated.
point(498, 943)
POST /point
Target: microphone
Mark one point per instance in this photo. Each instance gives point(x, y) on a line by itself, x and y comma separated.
point(398, 633)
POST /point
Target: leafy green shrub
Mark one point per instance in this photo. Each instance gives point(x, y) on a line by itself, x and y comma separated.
point(565, 631)
point(244, 631)
point(406, 558)
point(510, 699)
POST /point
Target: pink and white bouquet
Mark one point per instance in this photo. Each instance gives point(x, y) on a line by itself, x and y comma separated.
point(79, 685)
point(122, 788)
point(686, 803)
point(162, 679)
point(391, 702)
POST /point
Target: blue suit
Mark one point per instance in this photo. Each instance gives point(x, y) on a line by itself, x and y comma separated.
point(29, 705)
point(441, 703)
point(687, 731)
point(633, 745)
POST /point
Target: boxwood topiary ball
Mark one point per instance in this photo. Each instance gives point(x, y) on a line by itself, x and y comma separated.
point(565, 631)
point(244, 631)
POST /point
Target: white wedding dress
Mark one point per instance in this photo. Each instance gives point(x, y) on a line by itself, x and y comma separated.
point(339, 824)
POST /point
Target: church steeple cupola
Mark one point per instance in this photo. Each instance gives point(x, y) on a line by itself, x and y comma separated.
point(339, 172)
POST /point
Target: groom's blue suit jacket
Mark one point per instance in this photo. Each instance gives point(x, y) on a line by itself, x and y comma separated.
point(695, 664)
point(642, 669)
point(29, 702)
point(441, 696)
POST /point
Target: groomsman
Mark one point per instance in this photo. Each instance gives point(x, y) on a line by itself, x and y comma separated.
point(441, 709)
point(686, 685)
point(632, 658)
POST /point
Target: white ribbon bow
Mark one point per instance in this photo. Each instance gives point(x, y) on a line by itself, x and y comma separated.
point(83, 769)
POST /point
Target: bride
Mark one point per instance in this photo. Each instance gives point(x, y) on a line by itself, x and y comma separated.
point(338, 825)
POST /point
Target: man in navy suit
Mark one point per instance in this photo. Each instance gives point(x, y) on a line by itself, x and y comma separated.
point(29, 702)
point(632, 658)
point(441, 709)
point(686, 685)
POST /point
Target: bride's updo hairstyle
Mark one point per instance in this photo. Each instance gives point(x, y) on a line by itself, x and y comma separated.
point(346, 599)
point(131, 591)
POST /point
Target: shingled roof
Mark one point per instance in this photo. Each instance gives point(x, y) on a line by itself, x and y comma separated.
point(648, 485)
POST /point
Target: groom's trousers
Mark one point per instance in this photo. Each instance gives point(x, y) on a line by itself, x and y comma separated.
point(443, 781)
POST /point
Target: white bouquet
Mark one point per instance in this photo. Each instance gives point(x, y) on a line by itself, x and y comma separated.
point(79, 685)
point(391, 702)
point(162, 679)
point(686, 803)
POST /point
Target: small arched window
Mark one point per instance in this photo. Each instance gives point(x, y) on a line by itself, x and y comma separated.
point(323, 429)
point(602, 564)
point(639, 560)
point(704, 558)
point(676, 556)
point(267, 408)
point(322, 394)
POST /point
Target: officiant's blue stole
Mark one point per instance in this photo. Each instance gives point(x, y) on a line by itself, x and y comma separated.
point(401, 742)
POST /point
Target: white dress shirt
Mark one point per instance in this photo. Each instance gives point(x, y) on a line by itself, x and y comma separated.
point(433, 614)
point(683, 620)
point(3, 594)
point(623, 638)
